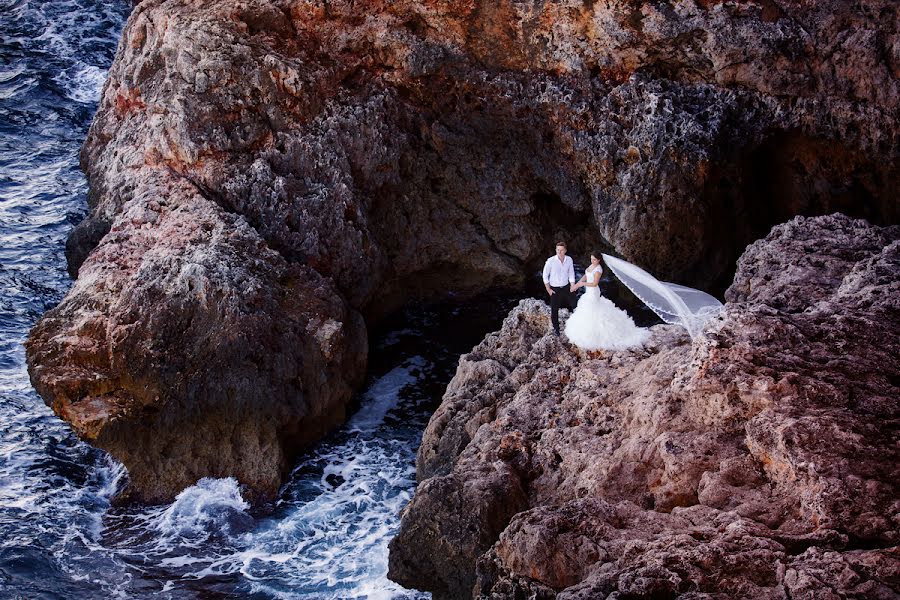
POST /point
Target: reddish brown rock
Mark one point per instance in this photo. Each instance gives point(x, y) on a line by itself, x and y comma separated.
point(747, 464)
point(407, 138)
point(187, 348)
point(371, 152)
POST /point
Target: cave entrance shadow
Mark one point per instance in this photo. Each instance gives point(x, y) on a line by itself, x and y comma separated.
point(440, 330)
point(786, 175)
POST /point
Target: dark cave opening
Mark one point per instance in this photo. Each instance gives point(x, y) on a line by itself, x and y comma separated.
point(792, 174)
point(787, 175)
point(549, 205)
point(445, 279)
point(560, 222)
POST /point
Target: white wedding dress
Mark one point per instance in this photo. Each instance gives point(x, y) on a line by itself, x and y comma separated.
point(598, 324)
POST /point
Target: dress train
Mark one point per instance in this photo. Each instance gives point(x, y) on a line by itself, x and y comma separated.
point(598, 324)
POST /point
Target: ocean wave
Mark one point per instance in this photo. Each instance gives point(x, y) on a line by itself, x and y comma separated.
point(209, 505)
point(82, 83)
point(385, 393)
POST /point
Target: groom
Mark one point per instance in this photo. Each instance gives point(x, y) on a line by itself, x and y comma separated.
point(559, 274)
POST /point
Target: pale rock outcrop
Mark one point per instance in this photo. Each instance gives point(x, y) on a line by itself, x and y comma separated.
point(759, 461)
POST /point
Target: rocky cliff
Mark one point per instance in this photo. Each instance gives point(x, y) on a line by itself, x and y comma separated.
point(266, 175)
point(760, 461)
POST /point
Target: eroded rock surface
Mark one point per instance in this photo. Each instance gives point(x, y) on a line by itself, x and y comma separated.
point(187, 348)
point(367, 152)
point(761, 461)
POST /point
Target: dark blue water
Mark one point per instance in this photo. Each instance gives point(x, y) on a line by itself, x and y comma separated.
point(53, 489)
point(59, 537)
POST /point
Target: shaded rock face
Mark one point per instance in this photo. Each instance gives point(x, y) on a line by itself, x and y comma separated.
point(367, 153)
point(419, 140)
point(187, 348)
point(761, 461)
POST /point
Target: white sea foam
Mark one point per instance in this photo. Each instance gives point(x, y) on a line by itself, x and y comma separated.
point(209, 504)
point(328, 537)
point(338, 538)
point(384, 394)
point(82, 83)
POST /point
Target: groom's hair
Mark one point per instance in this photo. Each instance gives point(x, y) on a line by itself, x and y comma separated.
point(561, 243)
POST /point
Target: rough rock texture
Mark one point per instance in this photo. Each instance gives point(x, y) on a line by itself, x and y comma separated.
point(399, 137)
point(761, 461)
point(187, 348)
point(369, 152)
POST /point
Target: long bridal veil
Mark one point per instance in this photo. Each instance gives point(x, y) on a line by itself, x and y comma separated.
point(673, 303)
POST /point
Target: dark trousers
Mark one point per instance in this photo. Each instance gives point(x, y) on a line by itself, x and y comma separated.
point(561, 297)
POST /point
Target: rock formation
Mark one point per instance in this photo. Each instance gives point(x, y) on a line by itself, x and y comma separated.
point(342, 157)
point(187, 348)
point(761, 461)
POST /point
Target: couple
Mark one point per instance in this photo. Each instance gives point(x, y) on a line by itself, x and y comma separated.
point(596, 323)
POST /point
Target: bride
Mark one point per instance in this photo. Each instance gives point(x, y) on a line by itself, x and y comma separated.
point(597, 323)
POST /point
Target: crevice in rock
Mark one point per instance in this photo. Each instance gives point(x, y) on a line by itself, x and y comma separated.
point(859, 543)
point(290, 254)
point(786, 175)
point(792, 174)
point(83, 238)
point(205, 191)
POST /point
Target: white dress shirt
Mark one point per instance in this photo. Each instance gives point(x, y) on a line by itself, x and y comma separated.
point(558, 274)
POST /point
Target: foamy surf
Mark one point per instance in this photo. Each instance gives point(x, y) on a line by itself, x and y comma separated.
point(329, 532)
point(384, 394)
point(82, 83)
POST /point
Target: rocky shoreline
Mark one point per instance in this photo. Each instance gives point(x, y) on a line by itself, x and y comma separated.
point(268, 178)
point(761, 461)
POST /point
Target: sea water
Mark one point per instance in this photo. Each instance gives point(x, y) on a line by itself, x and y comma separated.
point(326, 535)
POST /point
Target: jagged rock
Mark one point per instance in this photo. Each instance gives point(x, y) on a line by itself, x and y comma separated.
point(389, 150)
point(406, 139)
point(748, 463)
point(187, 348)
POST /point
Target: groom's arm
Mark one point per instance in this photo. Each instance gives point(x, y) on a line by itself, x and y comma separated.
point(546, 276)
point(571, 272)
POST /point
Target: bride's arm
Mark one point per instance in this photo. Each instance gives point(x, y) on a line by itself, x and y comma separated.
point(575, 286)
point(594, 281)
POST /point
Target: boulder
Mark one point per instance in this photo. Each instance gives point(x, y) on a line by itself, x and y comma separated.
point(759, 460)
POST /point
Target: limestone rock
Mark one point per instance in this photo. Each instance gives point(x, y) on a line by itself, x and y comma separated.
point(393, 150)
point(748, 463)
point(187, 348)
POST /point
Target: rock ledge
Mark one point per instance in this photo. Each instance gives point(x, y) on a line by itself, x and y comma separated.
point(760, 461)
